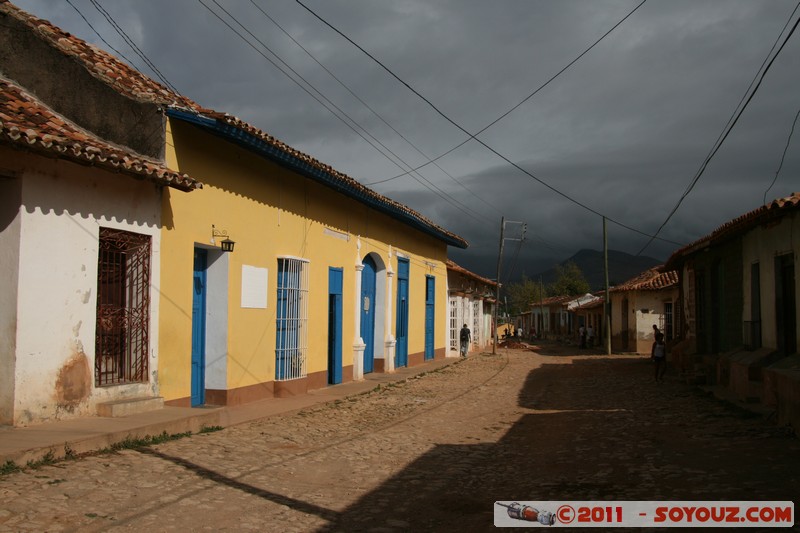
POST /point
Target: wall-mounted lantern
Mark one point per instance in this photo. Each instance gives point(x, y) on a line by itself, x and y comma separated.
point(226, 245)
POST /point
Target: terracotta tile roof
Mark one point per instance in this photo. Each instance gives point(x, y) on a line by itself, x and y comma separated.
point(461, 270)
point(27, 123)
point(555, 300)
point(133, 84)
point(98, 63)
point(649, 280)
point(766, 213)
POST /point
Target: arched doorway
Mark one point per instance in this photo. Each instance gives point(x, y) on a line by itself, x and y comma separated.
point(368, 308)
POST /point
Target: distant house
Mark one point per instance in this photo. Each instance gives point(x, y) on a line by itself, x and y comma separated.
point(739, 296)
point(591, 314)
point(554, 316)
point(550, 316)
point(471, 300)
point(640, 303)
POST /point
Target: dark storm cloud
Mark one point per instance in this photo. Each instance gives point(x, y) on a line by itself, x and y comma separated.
point(623, 131)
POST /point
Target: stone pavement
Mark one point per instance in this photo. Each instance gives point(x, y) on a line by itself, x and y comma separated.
point(431, 453)
point(31, 444)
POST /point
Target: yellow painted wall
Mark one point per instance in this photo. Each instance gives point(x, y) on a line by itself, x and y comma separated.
point(271, 212)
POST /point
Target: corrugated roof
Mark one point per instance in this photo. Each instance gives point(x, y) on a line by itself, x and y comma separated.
point(591, 305)
point(649, 280)
point(27, 123)
point(773, 210)
point(133, 84)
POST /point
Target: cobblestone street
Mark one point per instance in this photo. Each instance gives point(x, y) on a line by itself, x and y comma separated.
point(432, 453)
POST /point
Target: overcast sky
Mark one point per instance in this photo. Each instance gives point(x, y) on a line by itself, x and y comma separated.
point(622, 131)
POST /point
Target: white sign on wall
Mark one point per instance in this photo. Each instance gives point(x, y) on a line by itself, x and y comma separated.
point(254, 287)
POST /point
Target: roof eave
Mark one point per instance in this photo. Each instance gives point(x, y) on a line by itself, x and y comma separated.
point(255, 144)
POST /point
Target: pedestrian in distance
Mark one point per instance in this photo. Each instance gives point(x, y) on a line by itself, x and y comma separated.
point(582, 333)
point(659, 356)
point(466, 338)
point(590, 335)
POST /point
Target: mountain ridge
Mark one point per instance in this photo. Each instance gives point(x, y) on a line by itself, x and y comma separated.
point(622, 266)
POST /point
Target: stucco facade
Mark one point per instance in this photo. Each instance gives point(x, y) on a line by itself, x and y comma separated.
point(471, 301)
point(272, 212)
point(52, 212)
point(647, 300)
point(762, 248)
point(739, 297)
point(329, 280)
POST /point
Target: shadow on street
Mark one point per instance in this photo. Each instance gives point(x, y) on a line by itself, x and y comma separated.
point(598, 429)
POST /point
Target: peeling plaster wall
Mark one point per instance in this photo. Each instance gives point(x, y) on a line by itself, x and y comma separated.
point(63, 207)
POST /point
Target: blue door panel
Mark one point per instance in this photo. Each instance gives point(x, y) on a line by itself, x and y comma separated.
point(430, 300)
point(401, 350)
point(368, 313)
point(199, 277)
point(334, 326)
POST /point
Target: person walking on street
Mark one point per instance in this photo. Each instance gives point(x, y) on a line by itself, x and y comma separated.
point(659, 356)
point(590, 335)
point(582, 333)
point(466, 338)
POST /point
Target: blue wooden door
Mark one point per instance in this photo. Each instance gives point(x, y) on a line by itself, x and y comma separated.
point(401, 351)
point(430, 300)
point(368, 313)
point(334, 326)
point(198, 396)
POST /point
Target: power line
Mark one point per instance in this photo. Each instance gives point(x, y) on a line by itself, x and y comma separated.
point(785, 149)
point(738, 111)
point(138, 51)
point(120, 54)
point(542, 86)
point(373, 111)
point(429, 185)
point(482, 143)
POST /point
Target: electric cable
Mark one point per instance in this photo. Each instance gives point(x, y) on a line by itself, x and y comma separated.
point(138, 51)
point(373, 111)
point(504, 115)
point(482, 143)
point(785, 149)
point(452, 201)
point(738, 111)
point(429, 185)
point(120, 54)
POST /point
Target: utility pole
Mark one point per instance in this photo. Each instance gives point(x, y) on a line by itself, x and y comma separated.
point(497, 288)
point(541, 307)
point(499, 261)
point(607, 302)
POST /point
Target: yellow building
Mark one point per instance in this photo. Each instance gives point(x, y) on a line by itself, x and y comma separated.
point(328, 280)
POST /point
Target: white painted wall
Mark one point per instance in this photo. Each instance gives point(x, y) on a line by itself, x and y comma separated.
point(63, 208)
point(649, 311)
point(217, 319)
point(762, 245)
